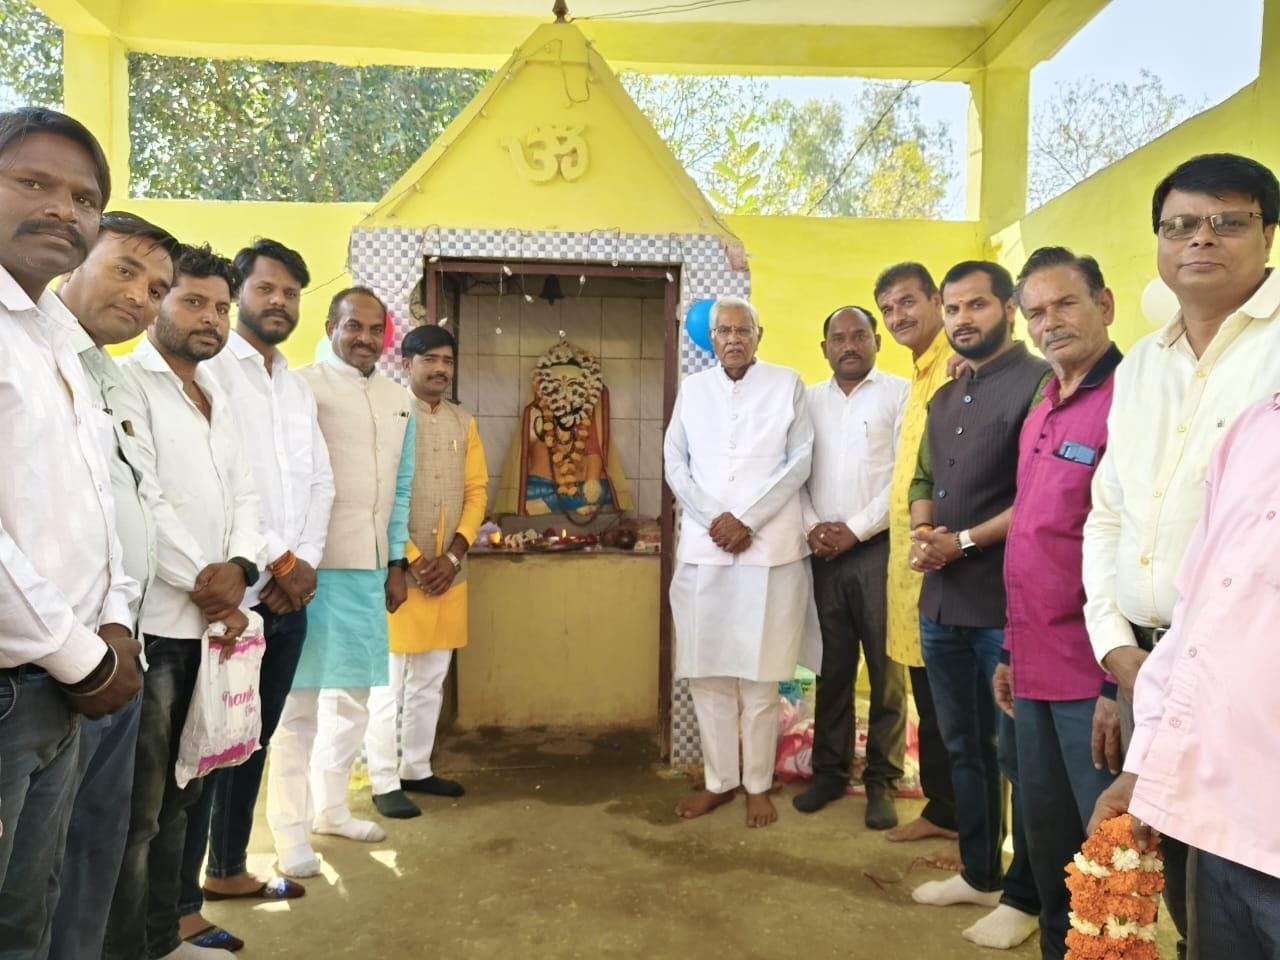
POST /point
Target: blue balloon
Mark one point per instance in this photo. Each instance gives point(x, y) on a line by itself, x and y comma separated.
point(697, 323)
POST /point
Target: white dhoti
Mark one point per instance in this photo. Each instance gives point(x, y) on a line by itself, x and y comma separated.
point(749, 622)
point(416, 692)
point(739, 631)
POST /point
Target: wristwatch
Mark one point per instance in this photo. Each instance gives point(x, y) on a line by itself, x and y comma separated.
point(457, 564)
point(401, 564)
point(248, 568)
point(967, 547)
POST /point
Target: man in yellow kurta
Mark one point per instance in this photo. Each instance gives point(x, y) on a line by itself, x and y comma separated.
point(446, 508)
point(908, 298)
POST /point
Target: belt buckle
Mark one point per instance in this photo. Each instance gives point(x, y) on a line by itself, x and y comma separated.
point(1158, 634)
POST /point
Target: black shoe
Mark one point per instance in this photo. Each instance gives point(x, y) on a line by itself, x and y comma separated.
point(881, 812)
point(436, 786)
point(396, 805)
point(819, 795)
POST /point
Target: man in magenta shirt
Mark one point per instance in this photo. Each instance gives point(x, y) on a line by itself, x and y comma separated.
point(1204, 763)
point(1067, 734)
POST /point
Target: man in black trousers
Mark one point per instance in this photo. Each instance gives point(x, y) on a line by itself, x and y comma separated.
point(857, 416)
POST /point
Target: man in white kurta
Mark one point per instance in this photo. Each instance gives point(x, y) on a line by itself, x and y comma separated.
point(737, 454)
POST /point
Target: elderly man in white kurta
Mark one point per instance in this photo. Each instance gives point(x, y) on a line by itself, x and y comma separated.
point(737, 453)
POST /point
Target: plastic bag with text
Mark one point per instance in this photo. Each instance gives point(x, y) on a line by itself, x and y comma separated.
point(224, 719)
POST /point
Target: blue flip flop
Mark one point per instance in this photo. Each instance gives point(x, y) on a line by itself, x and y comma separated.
point(215, 938)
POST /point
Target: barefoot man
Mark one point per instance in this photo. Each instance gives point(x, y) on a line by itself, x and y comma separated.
point(737, 454)
point(912, 308)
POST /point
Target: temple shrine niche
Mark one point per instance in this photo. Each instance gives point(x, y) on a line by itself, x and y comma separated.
point(571, 347)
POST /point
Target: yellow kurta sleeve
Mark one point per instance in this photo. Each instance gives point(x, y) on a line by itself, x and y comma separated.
point(475, 486)
point(411, 551)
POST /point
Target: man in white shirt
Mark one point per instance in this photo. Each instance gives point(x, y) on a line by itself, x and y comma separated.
point(1176, 392)
point(280, 435)
point(208, 547)
point(737, 454)
point(115, 294)
point(857, 415)
point(66, 641)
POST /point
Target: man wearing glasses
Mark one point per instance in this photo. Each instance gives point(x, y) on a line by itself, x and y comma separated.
point(1175, 394)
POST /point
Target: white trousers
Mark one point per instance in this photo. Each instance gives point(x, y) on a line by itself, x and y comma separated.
point(718, 702)
point(312, 753)
point(416, 693)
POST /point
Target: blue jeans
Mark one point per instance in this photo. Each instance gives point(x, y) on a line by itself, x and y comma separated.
point(99, 828)
point(144, 910)
point(39, 740)
point(1237, 910)
point(981, 743)
point(222, 820)
point(1059, 786)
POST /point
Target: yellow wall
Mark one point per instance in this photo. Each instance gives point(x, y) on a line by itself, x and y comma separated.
point(1109, 215)
point(560, 640)
point(801, 268)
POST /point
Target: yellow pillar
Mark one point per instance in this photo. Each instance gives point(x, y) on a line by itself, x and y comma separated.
point(95, 90)
point(998, 117)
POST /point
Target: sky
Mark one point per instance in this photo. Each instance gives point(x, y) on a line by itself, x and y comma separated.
point(1205, 57)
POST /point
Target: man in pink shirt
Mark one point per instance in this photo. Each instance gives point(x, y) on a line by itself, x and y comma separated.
point(1205, 756)
point(1049, 682)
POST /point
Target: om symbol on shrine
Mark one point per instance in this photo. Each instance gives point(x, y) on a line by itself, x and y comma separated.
point(548, 150)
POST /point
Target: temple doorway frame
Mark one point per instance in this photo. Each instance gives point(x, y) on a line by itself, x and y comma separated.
point(435, 269)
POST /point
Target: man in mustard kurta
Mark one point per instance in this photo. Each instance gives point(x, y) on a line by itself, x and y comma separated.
point(446, 508)
point(912, 308)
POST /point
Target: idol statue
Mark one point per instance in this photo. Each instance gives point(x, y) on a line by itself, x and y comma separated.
point(561, 459)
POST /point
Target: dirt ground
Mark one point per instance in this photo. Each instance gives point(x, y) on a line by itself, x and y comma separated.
point(568, 847)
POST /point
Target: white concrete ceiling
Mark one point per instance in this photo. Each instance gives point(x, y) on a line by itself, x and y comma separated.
point(872, 13)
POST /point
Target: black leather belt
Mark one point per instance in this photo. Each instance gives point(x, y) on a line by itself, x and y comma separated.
point(1148, 637)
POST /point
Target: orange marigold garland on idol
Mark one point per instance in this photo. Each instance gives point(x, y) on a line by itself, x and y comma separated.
point(565, 407)
point(1115, 889)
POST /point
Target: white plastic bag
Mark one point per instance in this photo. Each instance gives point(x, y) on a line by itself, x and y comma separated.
point(224, 719)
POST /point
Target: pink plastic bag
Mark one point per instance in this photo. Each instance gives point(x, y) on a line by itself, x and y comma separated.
point(795, 743)
point(224, 719)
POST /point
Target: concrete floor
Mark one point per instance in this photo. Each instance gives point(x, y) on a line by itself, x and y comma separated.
point(568, 847)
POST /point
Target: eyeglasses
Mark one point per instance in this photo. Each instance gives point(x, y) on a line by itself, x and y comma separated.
point(1230, 223)
point(723, 333)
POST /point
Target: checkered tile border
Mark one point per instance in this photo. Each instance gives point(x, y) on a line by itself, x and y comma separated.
point(390, 260)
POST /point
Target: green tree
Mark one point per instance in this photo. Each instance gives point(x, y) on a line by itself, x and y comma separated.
point(309, 132)
point(31, 62)
point(1091, 124)
point(759, 154)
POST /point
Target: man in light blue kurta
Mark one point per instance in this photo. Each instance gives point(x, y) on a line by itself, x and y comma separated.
point(367, 424)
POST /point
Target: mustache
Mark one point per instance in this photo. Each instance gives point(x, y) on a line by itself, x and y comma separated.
point(1052, 338)
point(54, 227)
point(851, 355)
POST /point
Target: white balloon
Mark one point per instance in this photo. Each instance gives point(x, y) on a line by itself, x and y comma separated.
point(1159, 303)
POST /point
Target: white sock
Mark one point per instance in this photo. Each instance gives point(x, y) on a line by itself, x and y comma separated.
point(189, 951)
point(366, 831)
point(1003, 928)
point(944, 893)
point(299, 862)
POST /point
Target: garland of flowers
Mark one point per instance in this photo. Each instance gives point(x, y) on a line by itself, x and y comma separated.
point(1115, 889)
point(566, 411)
